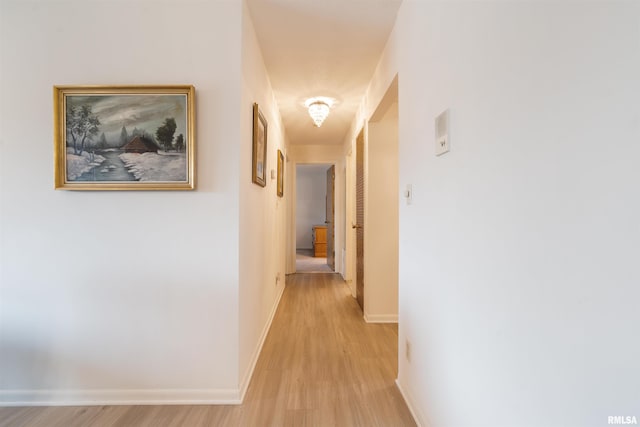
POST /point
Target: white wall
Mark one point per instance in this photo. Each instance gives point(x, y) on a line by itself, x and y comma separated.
point(381, 218)
point(518, 277)
point(311, 194)
point(131, 296)
point(262, 212)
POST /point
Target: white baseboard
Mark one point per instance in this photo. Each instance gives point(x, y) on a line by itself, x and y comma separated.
point(381, 318)
point(244, 385)
point(119, 397)
point(417, 415)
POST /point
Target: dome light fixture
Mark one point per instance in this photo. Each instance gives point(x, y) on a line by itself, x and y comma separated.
point(319, 107)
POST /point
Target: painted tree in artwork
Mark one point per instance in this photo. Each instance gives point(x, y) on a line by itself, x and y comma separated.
point(82, 126)
point(102, 143)
point(180, 143)
point(124, 136)
point(165, 133)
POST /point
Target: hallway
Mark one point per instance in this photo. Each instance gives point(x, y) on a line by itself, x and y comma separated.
point(321, 365)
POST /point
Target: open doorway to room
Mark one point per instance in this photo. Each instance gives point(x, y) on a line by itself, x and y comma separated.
point(373, 212)
point(315, 214)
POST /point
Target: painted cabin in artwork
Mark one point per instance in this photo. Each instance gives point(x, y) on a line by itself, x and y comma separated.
point(140, 145)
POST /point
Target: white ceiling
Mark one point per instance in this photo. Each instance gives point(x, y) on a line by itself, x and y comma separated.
point(321, 48)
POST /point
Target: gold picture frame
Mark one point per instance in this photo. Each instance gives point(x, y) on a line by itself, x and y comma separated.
point(280, 186)
point(124, 137)
point(259, 156)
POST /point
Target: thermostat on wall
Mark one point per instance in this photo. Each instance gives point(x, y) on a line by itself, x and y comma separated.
point(442, 133)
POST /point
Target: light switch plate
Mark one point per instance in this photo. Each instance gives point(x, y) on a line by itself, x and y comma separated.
point(442, 133)
point(442, 145)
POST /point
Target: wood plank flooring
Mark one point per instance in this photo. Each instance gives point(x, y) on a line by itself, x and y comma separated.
point(321, 365)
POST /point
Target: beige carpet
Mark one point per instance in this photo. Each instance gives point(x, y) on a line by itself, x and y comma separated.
point(307, 263)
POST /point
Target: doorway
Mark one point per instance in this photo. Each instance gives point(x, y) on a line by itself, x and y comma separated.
point(315, 218)
point(374, 212)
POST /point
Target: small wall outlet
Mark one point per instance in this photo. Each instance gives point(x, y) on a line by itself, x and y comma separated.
point(278, 277)
point(407, 350)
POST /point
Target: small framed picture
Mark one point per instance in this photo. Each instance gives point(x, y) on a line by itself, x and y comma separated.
point(280, 174)
point(259, 164)
point(124, 137)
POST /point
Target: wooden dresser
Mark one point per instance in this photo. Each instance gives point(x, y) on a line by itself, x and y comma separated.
point(320, 240)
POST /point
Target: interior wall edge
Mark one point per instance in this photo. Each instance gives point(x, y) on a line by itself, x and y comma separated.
point(418, 417)
point(246, 379)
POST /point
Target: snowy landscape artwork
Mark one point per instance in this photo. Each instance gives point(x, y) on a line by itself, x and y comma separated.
point(124, 138)
point(259, 157)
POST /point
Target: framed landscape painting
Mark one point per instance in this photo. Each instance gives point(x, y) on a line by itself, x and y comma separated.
point(259, 157)
point(124, 137)
point(280, 189)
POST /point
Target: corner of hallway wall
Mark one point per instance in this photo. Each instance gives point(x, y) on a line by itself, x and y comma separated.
point(118, 296)
point(262, 212)
point(382, 78)
point(381, 206)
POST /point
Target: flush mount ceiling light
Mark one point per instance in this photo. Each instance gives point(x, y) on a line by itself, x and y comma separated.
point(319, 107)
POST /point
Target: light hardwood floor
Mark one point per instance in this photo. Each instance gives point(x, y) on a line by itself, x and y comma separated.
point(321, 365)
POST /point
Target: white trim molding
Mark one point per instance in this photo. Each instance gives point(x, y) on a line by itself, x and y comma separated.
point(380, 318)
point(119, 397)
point(417, 415)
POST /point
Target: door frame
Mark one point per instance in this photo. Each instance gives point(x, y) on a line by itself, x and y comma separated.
point(350, 232)
point(301, 155)
point(362, 126)
point(358, 226)
point(330, 216)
